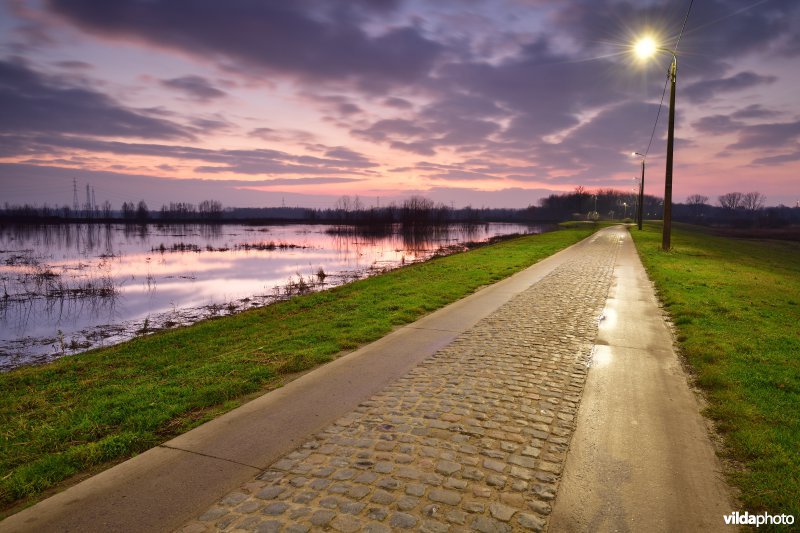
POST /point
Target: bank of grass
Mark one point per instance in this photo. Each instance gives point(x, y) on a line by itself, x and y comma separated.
point(736, 307)
point(72, 415)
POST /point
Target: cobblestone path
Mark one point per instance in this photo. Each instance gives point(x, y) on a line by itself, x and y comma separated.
point(474, 438)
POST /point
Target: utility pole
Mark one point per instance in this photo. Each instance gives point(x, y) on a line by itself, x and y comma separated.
point(640, 214)
point(75, 205)
point(666, 235)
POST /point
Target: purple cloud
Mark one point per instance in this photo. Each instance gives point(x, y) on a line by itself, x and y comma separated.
point(31, 102)
point(717, 124)
point(337, 160)
point(702, 91)
point(311, 39)
point(195, 87)
point(755, 111)
point(775, 135)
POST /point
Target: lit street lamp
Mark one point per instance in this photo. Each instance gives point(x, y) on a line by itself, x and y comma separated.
point(639, 213)
point(645, 48)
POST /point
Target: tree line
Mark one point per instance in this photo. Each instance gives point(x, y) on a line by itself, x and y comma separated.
point(139, 212)
point(417, 211)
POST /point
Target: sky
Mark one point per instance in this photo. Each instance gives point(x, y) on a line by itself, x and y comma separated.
point(492, 103)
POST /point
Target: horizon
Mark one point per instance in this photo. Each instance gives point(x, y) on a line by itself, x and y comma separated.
point(496, 104)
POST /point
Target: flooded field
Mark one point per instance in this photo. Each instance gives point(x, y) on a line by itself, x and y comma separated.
point(67, 288)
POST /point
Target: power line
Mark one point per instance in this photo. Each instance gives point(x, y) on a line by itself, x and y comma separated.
point(655, 124)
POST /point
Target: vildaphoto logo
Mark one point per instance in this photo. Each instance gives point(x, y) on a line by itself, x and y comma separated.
point(746, 519)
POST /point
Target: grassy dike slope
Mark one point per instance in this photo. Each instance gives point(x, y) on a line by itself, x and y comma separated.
point(66, 417)
point(736, 307)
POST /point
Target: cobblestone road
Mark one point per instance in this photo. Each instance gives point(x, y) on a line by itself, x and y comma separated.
point(474, 438)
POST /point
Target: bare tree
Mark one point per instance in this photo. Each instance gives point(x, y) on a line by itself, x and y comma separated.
point(731, 200)
point(106, 209)
point(342, 204)
point(697, 199)
point(752, 201)
point(417, 211)
point(210, 209)
point(128, 210)
point(142, 213)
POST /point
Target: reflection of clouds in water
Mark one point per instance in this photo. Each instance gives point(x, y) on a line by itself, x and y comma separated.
point(151, 282)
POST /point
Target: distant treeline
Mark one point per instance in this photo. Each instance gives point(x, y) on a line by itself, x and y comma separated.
point(416, 211)
point(733, 209)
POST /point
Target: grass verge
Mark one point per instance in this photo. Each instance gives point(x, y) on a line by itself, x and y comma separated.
point(64, 418)
point(736, 306)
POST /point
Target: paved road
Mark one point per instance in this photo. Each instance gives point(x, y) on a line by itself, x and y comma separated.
point(475, 437)
point(460, 421)
point(640, 458)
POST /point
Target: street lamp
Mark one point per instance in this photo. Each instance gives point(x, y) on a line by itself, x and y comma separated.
point(639, 214)
point(645, 48)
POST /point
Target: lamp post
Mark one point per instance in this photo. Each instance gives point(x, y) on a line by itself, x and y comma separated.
point(639, 214)
point(646, 48)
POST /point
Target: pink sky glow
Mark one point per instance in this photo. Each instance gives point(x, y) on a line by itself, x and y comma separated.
point(484, 103)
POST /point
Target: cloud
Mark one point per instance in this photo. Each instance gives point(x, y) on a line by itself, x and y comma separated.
point(755, 111)
point(717, 33)
point(462, 175)
point(390, 128)
point(32, 103)
point(398, 103)
point(320, 40)
point(74, 65)
point(543, 90)
point(195, 87)
point(338, 105)
point(514, 197)
point(282, 136)
point(127, 186)
point(779, 159)
point(205, 125)
point(298, 181)
point(775, 135)
point(337, 160)
point(419, 148)
point(717, 125)
point(705, 90)
point(456, 122)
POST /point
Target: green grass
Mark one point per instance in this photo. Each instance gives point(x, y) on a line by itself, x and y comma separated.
point(736, 307)
point(69, 416)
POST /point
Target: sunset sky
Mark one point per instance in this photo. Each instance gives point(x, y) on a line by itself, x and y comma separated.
point(481, 102)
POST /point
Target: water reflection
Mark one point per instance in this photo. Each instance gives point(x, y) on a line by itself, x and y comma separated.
point(69, 287)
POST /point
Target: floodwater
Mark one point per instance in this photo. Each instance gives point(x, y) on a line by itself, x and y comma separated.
point(68, 288)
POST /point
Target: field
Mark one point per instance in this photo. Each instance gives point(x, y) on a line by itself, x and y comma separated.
point(85, 412)
point(735, 304)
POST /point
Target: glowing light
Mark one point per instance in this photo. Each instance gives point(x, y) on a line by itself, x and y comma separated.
point(645, 47)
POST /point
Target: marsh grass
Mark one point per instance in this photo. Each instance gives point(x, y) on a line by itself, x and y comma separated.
point(101, 406)
point(735, 304)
